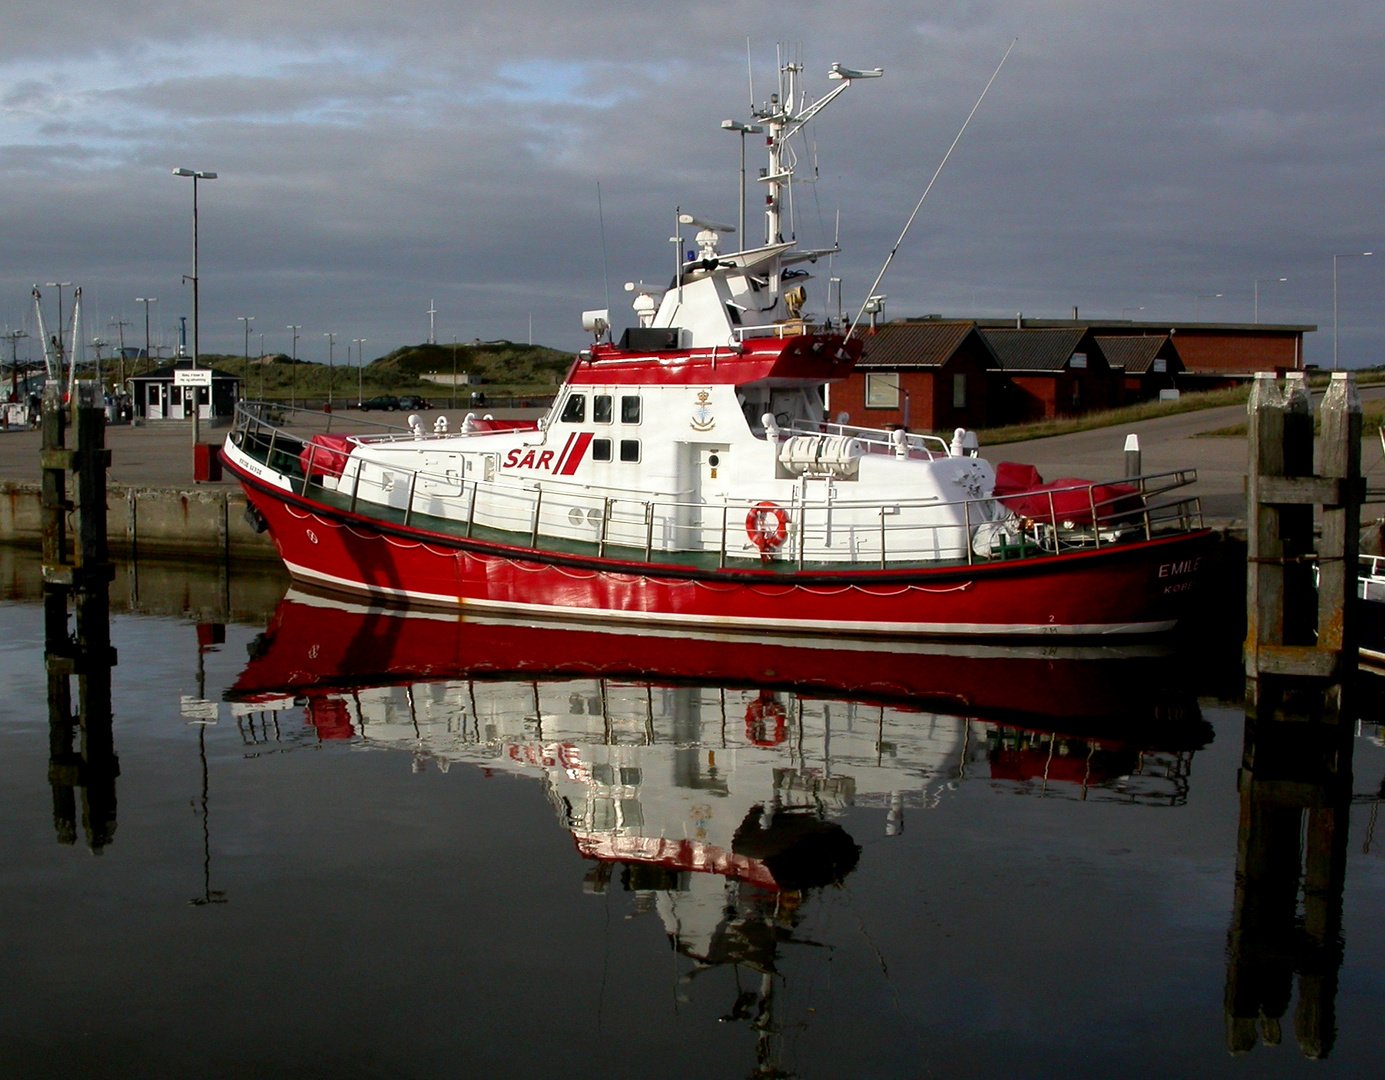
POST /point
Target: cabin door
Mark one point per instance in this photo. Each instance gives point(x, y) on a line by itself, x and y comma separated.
point(703, 481)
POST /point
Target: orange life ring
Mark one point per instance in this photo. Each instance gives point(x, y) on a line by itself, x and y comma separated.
point(757, 718)
point(763, 535)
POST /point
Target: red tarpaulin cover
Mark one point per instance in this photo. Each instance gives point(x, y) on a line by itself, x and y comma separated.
point(326, 454)
point(1074, 504)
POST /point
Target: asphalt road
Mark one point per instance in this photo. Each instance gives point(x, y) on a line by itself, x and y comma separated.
point(1168, 443)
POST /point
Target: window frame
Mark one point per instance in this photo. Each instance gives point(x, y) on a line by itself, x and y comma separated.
point(580, 399)
point(878, 381)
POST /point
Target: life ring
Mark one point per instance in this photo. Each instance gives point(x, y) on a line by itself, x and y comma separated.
point(762, 534)
point(757, 720)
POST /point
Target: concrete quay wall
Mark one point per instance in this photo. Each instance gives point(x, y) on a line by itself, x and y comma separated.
point(148, 521)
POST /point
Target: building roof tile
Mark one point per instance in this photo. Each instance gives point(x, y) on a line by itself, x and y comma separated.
point(922, 344)
point(1134, 354)
point(1033, 349)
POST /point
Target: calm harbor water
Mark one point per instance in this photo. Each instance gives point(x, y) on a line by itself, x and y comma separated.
point(350, 842)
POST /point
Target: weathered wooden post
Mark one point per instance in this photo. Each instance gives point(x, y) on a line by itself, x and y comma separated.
point(1339, 551)
point(1264, 554)
point(1301, 658)
point(1289, 633)
point(92, 573)
point(63, 764)
point(84, 572)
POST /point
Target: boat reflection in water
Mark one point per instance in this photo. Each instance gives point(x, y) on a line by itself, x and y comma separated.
point(709, 773)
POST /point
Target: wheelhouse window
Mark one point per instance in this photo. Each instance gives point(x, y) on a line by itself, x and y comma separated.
point(629, 410)
point(601, 449)
point(882, 390)
point(602, 409)
point(574, 409)
point(629, 449)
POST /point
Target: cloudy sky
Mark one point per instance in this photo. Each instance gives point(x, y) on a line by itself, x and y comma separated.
point(1133, 158)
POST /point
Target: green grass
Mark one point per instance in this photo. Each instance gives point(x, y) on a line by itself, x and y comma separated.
point(508, 370)
point(1372, 419)
point(1129, 414)
point(1149, 410)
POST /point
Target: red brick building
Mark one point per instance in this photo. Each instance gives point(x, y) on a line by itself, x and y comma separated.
point(1047, 372)
point(935, 374)
point(925, 375)
point(1142, 366)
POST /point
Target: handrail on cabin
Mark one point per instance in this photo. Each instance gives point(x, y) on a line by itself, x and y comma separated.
point(1110, 513)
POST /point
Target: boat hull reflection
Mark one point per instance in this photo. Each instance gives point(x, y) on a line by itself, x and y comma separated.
point(712, 774)
point(321, 641)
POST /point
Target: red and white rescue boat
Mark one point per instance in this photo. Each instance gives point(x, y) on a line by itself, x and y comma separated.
point(690, 473)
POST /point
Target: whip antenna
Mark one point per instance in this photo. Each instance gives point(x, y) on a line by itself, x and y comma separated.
point(605, 273)
point(919, 206)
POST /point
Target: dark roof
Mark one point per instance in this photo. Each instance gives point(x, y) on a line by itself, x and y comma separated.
point(1134, 354)
point(1033, 349)
point(166, 372)
point(916, 344)
point(1128, 326)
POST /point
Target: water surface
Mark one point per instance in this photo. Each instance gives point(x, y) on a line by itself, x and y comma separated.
point(349, 842)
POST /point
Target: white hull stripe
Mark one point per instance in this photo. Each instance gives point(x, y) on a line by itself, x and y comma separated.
point(756, 621)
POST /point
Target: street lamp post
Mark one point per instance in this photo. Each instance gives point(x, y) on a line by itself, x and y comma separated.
point(146, 301)
point(196, 174)
point(247, 320)
point(331, 346)
point(1258, 283)
point(61, 285)
point(1347, 255)
point(743, 130)
point(1204, 296)
point(293, 368)
point(360, 370)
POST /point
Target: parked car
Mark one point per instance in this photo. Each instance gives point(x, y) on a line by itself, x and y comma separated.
point(413, 401)
point(385, 403)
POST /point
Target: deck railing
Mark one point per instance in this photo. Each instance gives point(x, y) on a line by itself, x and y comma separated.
point(579, 519)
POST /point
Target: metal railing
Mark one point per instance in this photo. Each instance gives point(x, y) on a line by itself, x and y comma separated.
point(661, 527)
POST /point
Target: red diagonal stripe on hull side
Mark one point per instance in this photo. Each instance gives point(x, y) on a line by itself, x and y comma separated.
point(579, 451)
point(558, 469)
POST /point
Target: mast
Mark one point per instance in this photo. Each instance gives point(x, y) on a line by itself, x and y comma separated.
point(785, 116)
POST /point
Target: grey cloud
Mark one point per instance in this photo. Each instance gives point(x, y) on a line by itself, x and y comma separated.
point(1129, 156)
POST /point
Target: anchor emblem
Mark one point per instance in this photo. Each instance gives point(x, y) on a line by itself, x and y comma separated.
point(702, 418)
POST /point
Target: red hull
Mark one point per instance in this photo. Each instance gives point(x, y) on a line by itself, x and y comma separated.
point(316, 644)
point(1131, 588)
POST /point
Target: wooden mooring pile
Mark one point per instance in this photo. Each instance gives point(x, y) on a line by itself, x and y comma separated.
point(76, 577)
point(1301, 657)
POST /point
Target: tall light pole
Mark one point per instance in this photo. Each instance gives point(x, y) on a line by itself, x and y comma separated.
point(1348, 255)
point(247, 320)
point(743, 130)
point(1258, 283)
point(331, 345)
point(1204, 296)
point(196, 174)
point(146, 301)
point(359, 342)
point(120, 324)
point(293, 368)
point(61, 285)
point(432, 311)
